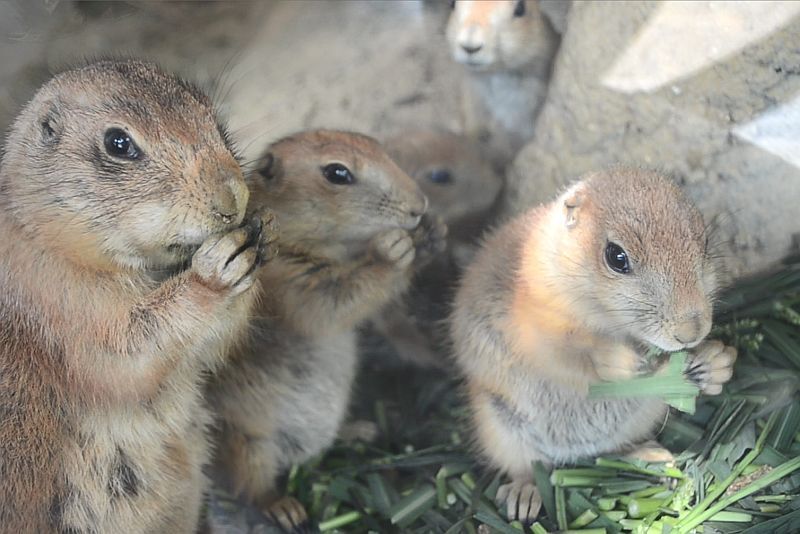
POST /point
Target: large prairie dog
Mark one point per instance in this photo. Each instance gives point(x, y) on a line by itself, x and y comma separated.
point(352, 227)
point(455, 174)
point(507, 47)
point(569, 294)
point(112, 176)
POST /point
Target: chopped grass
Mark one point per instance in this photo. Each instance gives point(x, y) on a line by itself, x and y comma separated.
point(737, 467)
point(670, 385)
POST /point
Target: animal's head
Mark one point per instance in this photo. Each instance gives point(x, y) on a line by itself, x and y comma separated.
point(118, 162)
point(490, 35)
point(459, 182)
point(635, 249)
point(329, 187)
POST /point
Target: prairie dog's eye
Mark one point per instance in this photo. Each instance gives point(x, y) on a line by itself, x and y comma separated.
point(617, 259)
point(519, 9)
point(452, 4)
point(338, 174)
point(120, 145)
point(265, 168)
point(440, 176)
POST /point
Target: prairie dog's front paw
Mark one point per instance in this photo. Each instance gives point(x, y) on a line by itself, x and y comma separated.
point(395, 247)
point(710, 366)
point(227, 262)
point(616, 363)
point(264, 231)
point(430, 238)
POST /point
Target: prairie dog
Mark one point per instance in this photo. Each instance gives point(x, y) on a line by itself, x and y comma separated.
point(462, 188)
point(454, 172)
point(352, 226)
point(114, 176)
point(507, 47)
point(569, 294)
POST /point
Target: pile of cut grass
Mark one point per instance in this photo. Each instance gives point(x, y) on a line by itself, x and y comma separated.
point(738, 455)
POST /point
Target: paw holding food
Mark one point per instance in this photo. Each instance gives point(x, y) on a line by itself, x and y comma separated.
point(710, 366)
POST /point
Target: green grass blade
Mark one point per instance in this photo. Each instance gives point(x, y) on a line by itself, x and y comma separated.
point(766, 480)
point(542, 480)
point(408, 509)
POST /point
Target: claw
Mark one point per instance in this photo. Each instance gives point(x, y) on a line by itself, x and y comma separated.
point(522, 501)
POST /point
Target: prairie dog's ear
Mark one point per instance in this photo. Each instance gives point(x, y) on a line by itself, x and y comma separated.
point(50, 124)
point(573, 200)
point(269, 167)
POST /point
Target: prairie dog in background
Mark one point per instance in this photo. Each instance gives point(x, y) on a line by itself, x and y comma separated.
point(455, 174)
point(507, 47)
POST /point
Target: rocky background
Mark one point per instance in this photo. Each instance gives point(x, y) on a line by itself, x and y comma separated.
point(709, 92)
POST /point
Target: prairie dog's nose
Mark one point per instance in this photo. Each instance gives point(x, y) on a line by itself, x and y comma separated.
point(692, 328)
point(471, 48)
point(470, 39)
point(419, 207)
point(230, 201)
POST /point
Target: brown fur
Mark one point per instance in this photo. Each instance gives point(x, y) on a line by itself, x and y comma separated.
point(344, 251)
point(103, 426)
point(540, 316)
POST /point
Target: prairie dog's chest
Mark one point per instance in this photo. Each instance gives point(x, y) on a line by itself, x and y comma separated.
point(315, 393)
point(138, 466)
point(511, 100)
point(323, 371)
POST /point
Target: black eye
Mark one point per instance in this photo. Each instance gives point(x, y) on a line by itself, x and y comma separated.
point(440, 176)
point(266, 168)
point(519, 9)
point(617, 259)
point(120, 145)
point(338, 174)
point(452, 4)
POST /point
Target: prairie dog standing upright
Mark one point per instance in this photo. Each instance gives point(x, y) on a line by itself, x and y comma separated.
point(462, 187)
point(507, 47)
point(352, 227)
point(568, 294)
point(112, 177)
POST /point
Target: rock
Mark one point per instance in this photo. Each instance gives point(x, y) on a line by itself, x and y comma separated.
point(363, 66)
point(704, 91)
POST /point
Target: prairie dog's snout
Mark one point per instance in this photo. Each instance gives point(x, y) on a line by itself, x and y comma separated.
point(228, 201)
point(691, 321)
point(416, 205)
point(471, 37)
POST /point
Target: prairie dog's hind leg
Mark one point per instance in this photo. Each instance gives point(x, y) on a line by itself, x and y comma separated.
point(520, 499)
point(504, 438)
